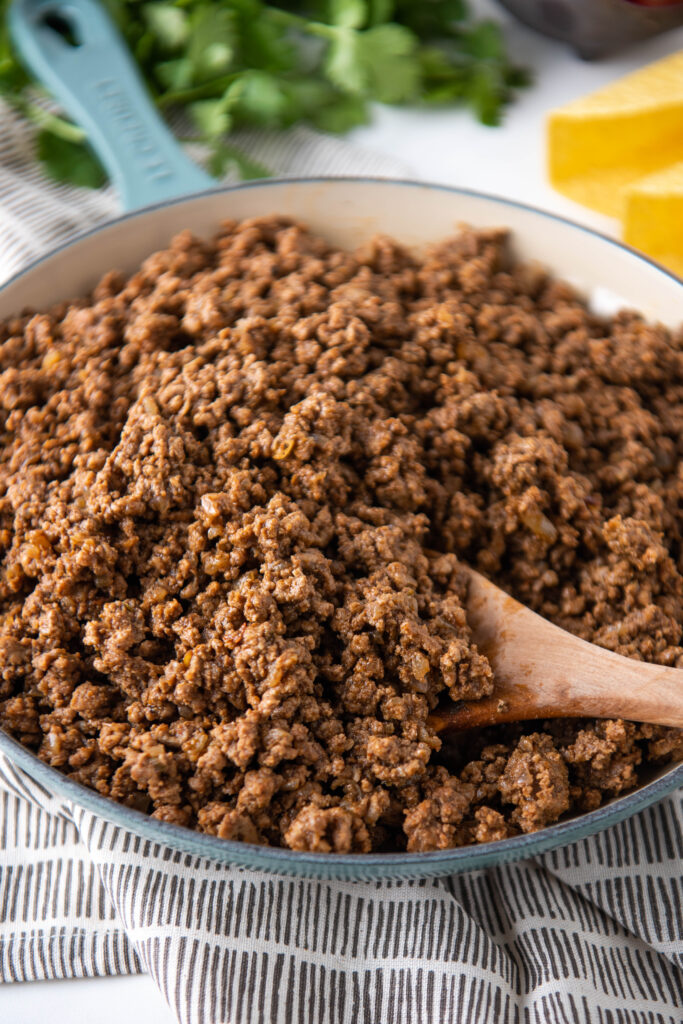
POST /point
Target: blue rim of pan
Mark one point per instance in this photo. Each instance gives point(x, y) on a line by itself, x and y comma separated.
point(287, 861)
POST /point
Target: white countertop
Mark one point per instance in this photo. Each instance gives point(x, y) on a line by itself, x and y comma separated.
point(448, 147)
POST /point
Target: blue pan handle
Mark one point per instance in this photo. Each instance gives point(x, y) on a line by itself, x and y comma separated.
point(96, 82)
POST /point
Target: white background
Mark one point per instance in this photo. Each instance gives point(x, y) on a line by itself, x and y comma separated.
point(448, 147)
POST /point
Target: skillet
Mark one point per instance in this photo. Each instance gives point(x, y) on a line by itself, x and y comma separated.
point(96, 81)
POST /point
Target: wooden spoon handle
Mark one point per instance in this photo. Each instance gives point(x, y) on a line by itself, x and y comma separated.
point(607, 685)
point(541, 671)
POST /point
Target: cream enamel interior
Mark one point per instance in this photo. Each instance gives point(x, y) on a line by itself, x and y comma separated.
point(348, 212)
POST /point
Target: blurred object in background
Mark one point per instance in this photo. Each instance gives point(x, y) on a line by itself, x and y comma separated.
point(620, 151)
point(595, 28)
point(599, 145)
point(653, 214)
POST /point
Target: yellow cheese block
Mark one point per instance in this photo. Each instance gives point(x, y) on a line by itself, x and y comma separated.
point(600, 144)
point(653, 216)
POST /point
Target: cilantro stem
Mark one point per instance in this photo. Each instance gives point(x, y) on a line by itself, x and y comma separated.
point(59, 127)
point(51, 122)
point(312, 28)
point(208, 90)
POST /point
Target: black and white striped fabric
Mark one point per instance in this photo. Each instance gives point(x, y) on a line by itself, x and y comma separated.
point(590, 934)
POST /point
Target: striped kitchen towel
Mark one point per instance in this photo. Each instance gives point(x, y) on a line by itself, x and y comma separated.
point(590, 934)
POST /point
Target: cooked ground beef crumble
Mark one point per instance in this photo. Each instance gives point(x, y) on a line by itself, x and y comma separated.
point(234, 489)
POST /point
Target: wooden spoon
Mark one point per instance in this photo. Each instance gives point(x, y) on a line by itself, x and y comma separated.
point(541, 671)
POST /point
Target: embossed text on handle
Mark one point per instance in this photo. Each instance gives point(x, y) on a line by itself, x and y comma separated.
point(118, 107)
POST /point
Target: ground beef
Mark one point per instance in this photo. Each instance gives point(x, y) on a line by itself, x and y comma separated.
point(536, 781)
point(234, 492)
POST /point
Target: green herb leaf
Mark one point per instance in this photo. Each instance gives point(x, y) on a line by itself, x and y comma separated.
point(212, 41)
point(380, 11)
point(345, 66)
point(517, 78)
point(211, 118)
point(390, 55)
point(174, 74)
point(431, 19)
point(261, 101)
point(71, 163)
point(486, 94)
point(380, 63)
point(265, 45)
point(168, 24)
point(341, 114)
point(225, 157)
point(348, 13)
point(484, 41)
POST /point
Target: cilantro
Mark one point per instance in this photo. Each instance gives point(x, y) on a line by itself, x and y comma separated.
point(348, 13)
point(69, 162)
point(212, 118)
point(212, 41)
point(431, 19)
point(262, 100)
point(379, 63)
point(484, 42)
point(226, 158)
point(340, 114)
point(237, 63)
point(380, 11)
point(168, 24)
